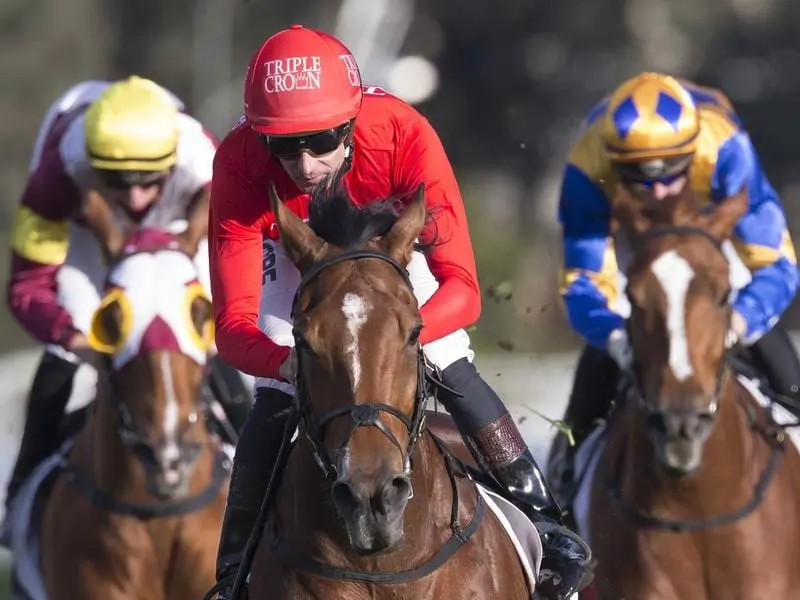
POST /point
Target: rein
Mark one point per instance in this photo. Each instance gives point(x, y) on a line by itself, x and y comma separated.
point(362, 415)
point(149, 510)
point(139, 445)
point(775, 438)
point(131, 438)
point(460, 536)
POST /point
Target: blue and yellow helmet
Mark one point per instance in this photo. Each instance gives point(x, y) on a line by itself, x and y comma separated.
point(651, 116)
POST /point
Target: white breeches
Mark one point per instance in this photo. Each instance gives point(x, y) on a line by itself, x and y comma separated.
point(281, 279)
point(81, 278)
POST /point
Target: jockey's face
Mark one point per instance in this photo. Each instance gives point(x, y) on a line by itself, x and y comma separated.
point(135, 192)
point(655, 180)
point(138, 198)
point(658, 191)
point(307, 170)
point(311, 157)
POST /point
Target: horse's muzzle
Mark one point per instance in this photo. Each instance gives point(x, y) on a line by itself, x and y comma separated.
point(169, 477)
point(168, 483)
point(372, 510)
point(678, 438)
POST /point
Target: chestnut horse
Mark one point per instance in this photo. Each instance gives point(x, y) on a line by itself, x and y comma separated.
point(697, 492)
point(371, 504)
point(136, 510)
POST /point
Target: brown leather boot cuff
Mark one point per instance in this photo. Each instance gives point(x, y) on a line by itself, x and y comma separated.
point(500, 442)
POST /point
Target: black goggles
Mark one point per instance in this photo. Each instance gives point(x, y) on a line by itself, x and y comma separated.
point(124, 180)
point(315, 144)
point(649, 172)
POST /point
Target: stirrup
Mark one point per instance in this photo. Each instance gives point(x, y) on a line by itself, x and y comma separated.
point(561, 470)
point(566, 562)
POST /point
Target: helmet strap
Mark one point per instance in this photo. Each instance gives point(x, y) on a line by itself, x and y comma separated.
point(349, 147)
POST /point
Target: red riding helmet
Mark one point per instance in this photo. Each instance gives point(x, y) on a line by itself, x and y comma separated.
point(301, 81)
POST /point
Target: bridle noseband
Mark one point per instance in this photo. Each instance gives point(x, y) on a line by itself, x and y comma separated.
point(362, 415)
point(630, 381)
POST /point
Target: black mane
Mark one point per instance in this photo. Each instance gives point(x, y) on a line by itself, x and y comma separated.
point(339, 221)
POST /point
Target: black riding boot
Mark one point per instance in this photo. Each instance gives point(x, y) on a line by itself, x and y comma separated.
point(775, 357)
point(49, 396)
point(229, 389)
point(497, 445)
point(593, 391)
point(256, 454)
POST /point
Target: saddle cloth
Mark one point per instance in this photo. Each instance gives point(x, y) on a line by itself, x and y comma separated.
point(26, 514)
point(521, 531)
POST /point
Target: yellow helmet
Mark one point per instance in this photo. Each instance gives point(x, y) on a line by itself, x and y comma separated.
point(650, 116)
point(132, 126)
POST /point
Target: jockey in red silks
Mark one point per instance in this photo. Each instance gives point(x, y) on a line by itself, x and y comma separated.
point(307, 116)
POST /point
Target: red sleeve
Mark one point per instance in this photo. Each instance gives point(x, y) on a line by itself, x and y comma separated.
point(39, 243)
point(235, 261)
point(32, 299)
point(457, 302)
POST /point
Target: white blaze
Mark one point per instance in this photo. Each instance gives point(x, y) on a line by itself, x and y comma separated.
point(355, 312)
point(172, 412)
point(675, 274)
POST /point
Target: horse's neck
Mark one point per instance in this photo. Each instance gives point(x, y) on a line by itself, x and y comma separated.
point(724, 477)
point(308, 517)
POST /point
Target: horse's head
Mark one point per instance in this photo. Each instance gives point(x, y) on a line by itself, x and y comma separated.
point(155, 327)
point(678, 287)
point(357, 327)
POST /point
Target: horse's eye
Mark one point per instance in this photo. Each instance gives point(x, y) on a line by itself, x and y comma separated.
point(301, 343)
point(413, 335)
point(725, 298)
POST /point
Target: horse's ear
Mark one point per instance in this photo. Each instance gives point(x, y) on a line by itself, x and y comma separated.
point(630, 213)
point(202, 314)
point(399, 241)
point(301, 243)
point(105, 330)
point(723, 219)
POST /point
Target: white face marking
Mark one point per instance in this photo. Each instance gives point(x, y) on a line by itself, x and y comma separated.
point(355, 312)
point(172, 413)
point(675, 274)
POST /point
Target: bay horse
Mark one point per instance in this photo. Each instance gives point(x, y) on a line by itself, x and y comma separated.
point(136, 509)
point(697, 492)
point(371, 504)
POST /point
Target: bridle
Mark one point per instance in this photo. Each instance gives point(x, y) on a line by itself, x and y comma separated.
point(144, 452)
point(630, 378)
point(361, 415)
point(630, 382)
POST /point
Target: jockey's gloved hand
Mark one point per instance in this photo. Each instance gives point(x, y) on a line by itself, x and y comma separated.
point(288, 368)
point(737, 330)
point(79, 345)
point(619, 348)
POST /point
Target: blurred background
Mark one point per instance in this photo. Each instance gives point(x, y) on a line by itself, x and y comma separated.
point(505, 83)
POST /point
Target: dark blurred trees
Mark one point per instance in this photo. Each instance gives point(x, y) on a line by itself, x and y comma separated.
point(516, 77)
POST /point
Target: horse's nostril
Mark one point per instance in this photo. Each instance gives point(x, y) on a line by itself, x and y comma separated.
point(703, 423)
point(345, 497)
point(684, 425)
point(656, 423)
point(394, 495)
point(402, 487)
